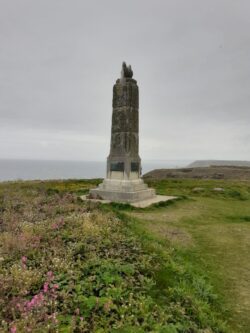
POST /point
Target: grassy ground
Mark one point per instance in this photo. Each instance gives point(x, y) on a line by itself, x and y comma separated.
point(211, 228)
point(70, 266)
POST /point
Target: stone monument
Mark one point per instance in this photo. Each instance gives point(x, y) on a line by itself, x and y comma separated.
point(123, 181)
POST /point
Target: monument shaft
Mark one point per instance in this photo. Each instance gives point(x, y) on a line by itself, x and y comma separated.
point(123, 182)
point(124, 160)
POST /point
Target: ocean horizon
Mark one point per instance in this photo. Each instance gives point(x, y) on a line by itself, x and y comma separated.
point(28, 169)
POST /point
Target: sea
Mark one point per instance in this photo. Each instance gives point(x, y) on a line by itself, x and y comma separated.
point(13, 169)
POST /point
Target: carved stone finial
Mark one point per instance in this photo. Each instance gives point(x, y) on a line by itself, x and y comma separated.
point(126, 71)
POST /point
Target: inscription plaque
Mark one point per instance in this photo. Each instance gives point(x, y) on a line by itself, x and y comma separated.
point(117, 166)
point(135, 166)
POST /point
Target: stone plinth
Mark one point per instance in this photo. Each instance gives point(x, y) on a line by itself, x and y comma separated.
point(138, 204)
point(122, 190)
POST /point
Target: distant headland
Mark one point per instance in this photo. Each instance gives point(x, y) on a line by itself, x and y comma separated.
point(208, 163)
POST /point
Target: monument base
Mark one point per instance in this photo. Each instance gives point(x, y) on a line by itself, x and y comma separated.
point(122, 191)
point(138, 204)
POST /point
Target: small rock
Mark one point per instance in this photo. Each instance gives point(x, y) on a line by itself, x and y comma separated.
point(218, 189)
point(198, 189)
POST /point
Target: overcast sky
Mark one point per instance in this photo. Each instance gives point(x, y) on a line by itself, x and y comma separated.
point(60, 58)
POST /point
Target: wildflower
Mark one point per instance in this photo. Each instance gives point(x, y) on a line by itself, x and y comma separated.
point(24, 261)
point(36, 301)
point(13, 329)
point(54, 318)
point(35, 241)
point(55, 226)
point(50, 275)
point(46, 287)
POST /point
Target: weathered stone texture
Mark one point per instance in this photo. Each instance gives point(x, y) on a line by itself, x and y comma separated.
point(125, 121)
point(123, 182)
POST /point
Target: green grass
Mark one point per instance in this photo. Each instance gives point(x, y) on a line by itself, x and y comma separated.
point(211, 231)
point(73, 266)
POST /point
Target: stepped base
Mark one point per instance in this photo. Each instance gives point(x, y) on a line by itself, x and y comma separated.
point(122, 191)
point(137, 204)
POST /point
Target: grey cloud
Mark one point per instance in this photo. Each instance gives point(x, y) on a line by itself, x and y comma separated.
point(59, 60)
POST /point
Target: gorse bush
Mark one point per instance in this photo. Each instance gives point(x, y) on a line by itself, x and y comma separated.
point(69, 267)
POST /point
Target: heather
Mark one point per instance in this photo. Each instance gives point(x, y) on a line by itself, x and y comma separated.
point(71, 266)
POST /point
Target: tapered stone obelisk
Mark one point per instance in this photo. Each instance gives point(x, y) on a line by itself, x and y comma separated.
point(123, 181)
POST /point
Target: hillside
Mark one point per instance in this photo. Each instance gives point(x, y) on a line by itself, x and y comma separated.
point(213, 172)
point(208, 163)
point(71, 266)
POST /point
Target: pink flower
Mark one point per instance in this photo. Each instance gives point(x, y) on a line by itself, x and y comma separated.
point(55, 286)
point(46, 287)
point(39, 298)
point(50, 275)
point(35, 241)
point(13, 329)
point(36, 301)
point(54, 318)
point(24, 260)
point(55, 226)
